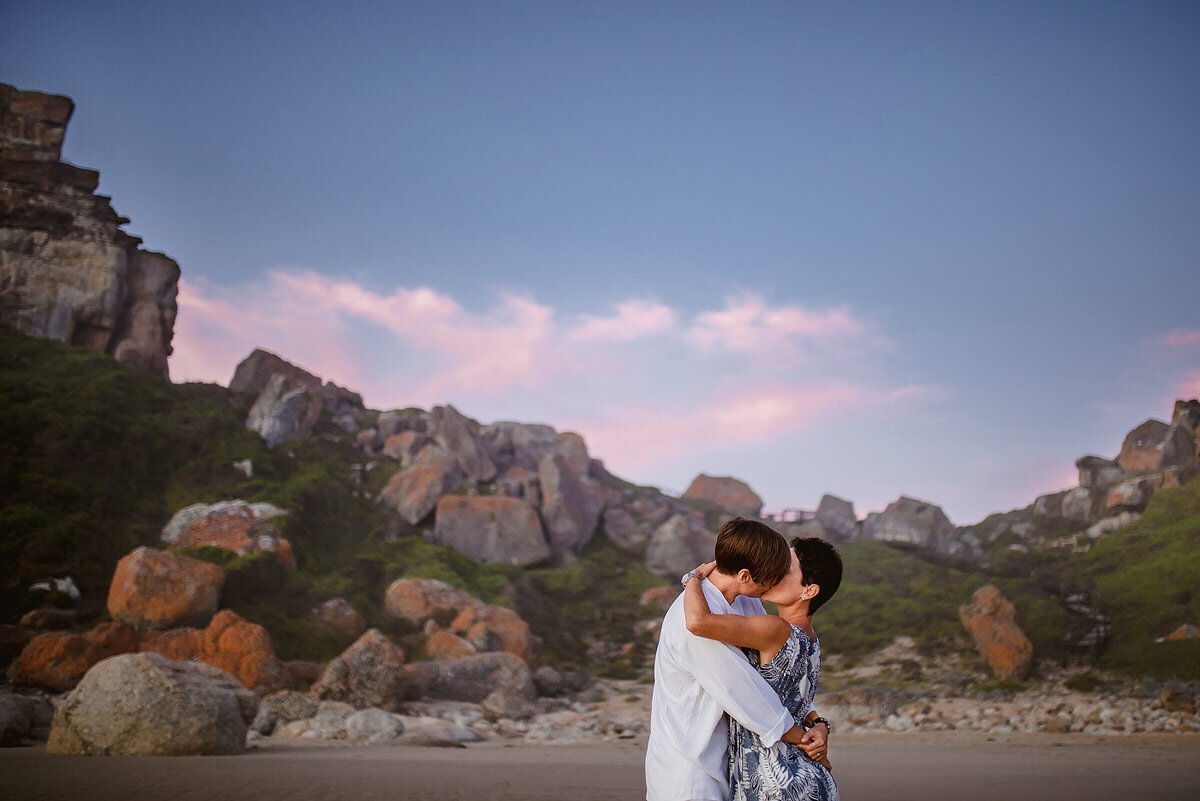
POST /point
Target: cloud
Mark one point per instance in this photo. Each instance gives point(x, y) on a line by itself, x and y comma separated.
point(748, 324)
point(1180, 338)
point(634, 319)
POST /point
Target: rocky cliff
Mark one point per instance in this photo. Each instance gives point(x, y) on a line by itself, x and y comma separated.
point(67, 270)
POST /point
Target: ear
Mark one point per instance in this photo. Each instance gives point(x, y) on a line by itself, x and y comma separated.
point(810, 592)
point(744, 576)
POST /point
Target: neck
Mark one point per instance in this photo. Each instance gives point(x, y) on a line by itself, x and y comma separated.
point(798, 615)
point(729, 586)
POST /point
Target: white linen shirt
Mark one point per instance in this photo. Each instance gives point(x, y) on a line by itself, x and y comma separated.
point(696, 681)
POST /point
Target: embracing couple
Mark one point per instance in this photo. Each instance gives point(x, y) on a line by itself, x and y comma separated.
point(732, 714)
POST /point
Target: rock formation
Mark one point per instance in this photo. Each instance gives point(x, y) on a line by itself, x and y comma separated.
point(156, 590)
point(491, 529)
point(728, 493)
point(237, 526)
point(678, 545)
point(239, 647)
point(992, 620)
point(146, 704)
point(67, 270)
point(368, 673)
point(911, 522)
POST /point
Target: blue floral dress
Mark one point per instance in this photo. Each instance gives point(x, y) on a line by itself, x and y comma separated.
point(782, 772)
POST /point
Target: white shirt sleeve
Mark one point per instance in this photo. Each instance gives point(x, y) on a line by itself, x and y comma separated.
point(727, 676)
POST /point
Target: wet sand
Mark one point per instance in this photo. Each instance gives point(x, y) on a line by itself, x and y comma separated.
point(867, 767)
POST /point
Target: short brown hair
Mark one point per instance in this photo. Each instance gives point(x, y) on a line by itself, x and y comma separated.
point(750, 545)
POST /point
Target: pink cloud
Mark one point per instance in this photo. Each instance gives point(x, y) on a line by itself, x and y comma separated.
point(1180, 337)
point(749, 324)
point(1190, 386)
point(634, 319)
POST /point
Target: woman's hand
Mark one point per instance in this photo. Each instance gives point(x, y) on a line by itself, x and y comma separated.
point(815, 743)
point(703, 570)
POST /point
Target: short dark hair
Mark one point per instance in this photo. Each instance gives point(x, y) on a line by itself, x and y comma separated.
point(750, 545)
point(820, 564)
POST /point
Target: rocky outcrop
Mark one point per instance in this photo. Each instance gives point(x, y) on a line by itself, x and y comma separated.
point(146, 704)
point(991, 619)
point(728, 493)
point(912, 522)
point(157, 589)
point(1078, 503)
point(494, 628)
point(417, 600)
point(837, 518)
point(456, 434)
point(626, 529)
point(289, 400)
point(24, 719)
point(404, 447)
point(414, 492)
point(1133, 493)
point(678, 545)
point(491, 529)
point(368, 673)
point(1155, 445)
point(237, 526)
point(282, 411)
point(498, 680)
point(571, 506)
point(56, 660)
point(236, 646)
point(338, 617)
point(67, 270)
point(445, 646)
point(1096, 471)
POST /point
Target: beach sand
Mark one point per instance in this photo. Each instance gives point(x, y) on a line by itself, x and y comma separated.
point(893, 767)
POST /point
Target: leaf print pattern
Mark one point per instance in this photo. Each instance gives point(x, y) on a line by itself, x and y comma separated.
point(782, 772)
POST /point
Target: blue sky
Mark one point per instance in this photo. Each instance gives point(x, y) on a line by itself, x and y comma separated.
point(939, 249)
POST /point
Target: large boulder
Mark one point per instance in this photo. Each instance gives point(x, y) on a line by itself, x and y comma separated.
point(494, 628)
point(1078, 503)
point(518, 482)
point(254, 372)
point(1096, 471)
point(499, 679)
point(443, 646)
point(1155, 445)
point(56, 660)
point(678, 545)
point(1132, 494)
point(397, 421)
point(991, 619)
point(404, 447)
point(146, 704)
point(368, 673)
point(338, 617)
point(491, 529)
point(1187, 414)
point(239, 647)
point(729, 493)
point(414, 491)
point(626, 529)
point(283, 410)
point(417, 600)
point(571, 506)
point(24, 718)
point(237, 526)
point(158, 589)
point(837, 518)
point(455, 433)
point(912, 522)
point(67, 269)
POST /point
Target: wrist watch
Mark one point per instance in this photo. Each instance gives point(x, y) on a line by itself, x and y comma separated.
point(689, 575)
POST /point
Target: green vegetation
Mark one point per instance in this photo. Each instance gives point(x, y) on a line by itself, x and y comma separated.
point(888, 592)
point(1148, 573)
point(1083, 682)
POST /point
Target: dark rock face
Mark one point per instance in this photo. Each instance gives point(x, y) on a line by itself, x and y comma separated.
point(67, 270)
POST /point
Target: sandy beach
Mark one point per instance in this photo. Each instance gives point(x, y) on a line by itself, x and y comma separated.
point(868, 767)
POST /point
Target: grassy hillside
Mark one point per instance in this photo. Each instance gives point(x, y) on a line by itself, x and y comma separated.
point(887, 591)
point(1149, 573)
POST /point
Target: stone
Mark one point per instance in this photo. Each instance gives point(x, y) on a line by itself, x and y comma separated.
point(1098, 472)
point(282, 411)
point(837, 518)
point(991, 619)
point(494, 628)
point(23, 718)
point(254, 372)
point(520, 445)
point(264, 721)
point(571, 506)
point(236, 646)
point(340, 618)
point(730, 494)
point(158, 589)
point(1187, 414)
point(1132, 494)
point(68, 269)
point(237, 526)
point(518, 482)
point(330, 721)
point(547, 681)
point(911, 522)
point(453, 432)
point(1049, 505)
point(288, 705)
point(445, 646)
point(437, 733)
point(661, 597)
point(1155, 445)
point(404, 447)
point(373, 725)
point(1077, 503)
point(678, 545)
point(1186, 631)
point(302, 672)
point(115, 638)
point(56, 660)
point(49, 617)
point(490, 529)
point(417, 600)
point(1178, 696)
point(414, 491)
point(368, 673)
point(626, 530)
point(499, 675)
point(1110, 524)
point(396, 421)
point(146, 704)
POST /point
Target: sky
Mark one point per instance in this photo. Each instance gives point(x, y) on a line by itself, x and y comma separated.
point(937, 249)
